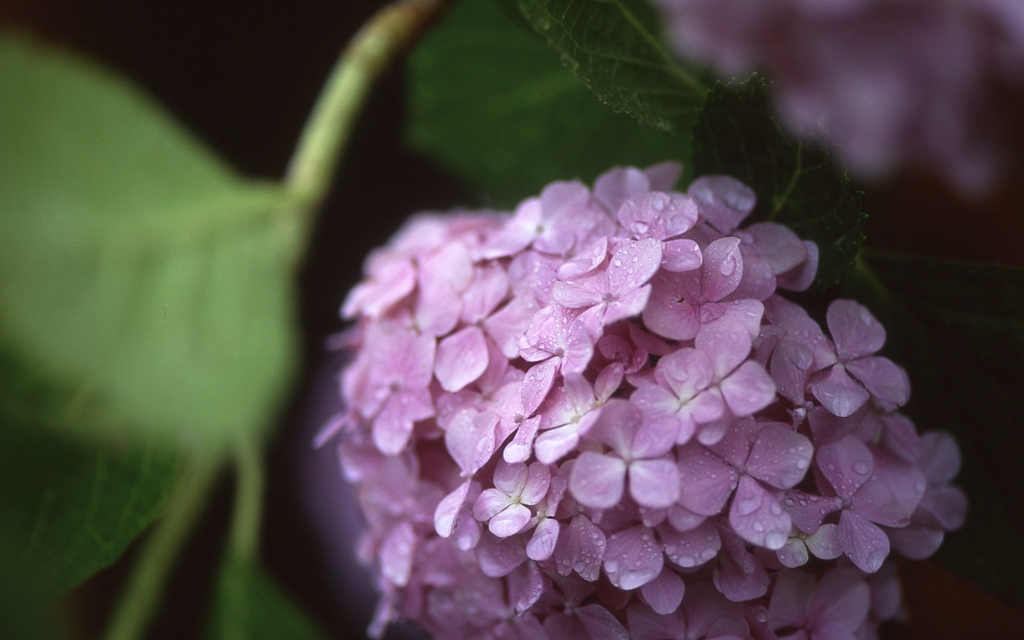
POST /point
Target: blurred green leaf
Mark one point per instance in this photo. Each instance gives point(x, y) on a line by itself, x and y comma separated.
point(139, 275)
point(959, 329)
point(615, 47)
point(249, 605)
point(69, 506)
point(796, 185)
point(489, 100)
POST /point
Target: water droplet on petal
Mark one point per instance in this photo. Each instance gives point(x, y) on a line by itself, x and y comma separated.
point(861, 467)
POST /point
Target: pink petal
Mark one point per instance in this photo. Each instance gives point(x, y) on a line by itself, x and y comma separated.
point(499, 556)
point(627, 305)
point(391, 279)
point(633, 558)
point(758, 281)
point(583, 292)
point(488, 290)
point(706, 481)
point(447, 510)
point(825, 542)
point(722, 270)
point(900, 437)
point(490, 503)
point(608, 382)
point(723, 200)
point(521, 447)
point(840, 604)
point(862, 541)
point(740, 576)
point(839, 393)
point(617, 425)
point(726, 343)
point(542, 544)
point(748, 390)
point(580, 548)
point(633, 264)
point(600, 624)
point(916, 542)
point(892, 494)
point(538, 480)
point(438, 307)
point(396, 554)
point(525, 586)
point(778, 245)
point(670, 317)
point(790, 599)
point(664, 175)
point(612, 188)
point(855, 331)
point(509, 324)
point(790, 365)
point(747, 313)
point(793, 554)
point(681, 255)
point(461, 358)
point(758, 517)
point(692, 548)
point(940, 457)
point(470, 440)
point(682, 519)
point(645, 624)
point(847, 464)
point(686, 372)
point(510, 478)
point(584, 261)
point(808, 510)
point(885, 380)
point(654, 483)
point(393, 426)
point(802, 277)
point(780, 456)
point(948, 505)
point(664, 594)
point(597, 481)
point(510, 521)
point(551, 446)
point(537, 384)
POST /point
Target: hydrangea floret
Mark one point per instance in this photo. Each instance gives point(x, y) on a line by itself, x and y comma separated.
point(596, 417)
point(887, 81)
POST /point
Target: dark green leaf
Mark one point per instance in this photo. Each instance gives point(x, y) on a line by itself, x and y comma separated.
point(139, 274)
point(491, 103)
point(69, 507)
point(796, 185)
point(959, 330)
point(250, 606)
point(615, 47)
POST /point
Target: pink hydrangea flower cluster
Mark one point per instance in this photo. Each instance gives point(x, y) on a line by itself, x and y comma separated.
point(889, 81)
point(596, 418)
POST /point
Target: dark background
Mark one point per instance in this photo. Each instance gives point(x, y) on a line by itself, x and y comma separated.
point(243, 76)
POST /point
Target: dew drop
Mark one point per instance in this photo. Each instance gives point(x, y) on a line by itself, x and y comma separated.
point(758, 527)
point(776, 509)
point(802, 464)
point(789, 502)
point(861, 467)
point(728, 267)
point(611, 566)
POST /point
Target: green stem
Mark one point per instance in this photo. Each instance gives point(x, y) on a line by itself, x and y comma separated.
point(369, 53)
point(248, 515)
point(146, 584)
